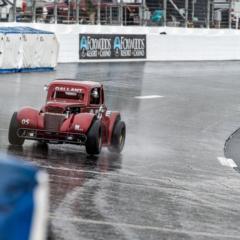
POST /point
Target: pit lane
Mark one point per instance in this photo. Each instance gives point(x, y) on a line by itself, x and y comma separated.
point(167, 183)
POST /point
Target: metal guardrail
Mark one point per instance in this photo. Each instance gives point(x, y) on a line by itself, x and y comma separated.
point(177, 13)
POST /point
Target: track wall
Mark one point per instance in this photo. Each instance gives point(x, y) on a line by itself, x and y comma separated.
point(162, 44)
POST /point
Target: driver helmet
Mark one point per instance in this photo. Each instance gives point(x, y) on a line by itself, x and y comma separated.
point(95, 93)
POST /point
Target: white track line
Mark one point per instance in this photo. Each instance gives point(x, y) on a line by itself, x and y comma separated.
point(141, 227)
point(3, 130)
point(148, 97)
point(125, 175)
point(228, 162)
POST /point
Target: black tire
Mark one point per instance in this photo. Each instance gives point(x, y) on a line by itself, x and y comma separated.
point(94, 139)
point(12, 132)
point(118, 137)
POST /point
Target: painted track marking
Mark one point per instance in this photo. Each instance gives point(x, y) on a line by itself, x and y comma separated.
point(141, 227)
point(149, 97)
point(128, 175)
point(228, 162)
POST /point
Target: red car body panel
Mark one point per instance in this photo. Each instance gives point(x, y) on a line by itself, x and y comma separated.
point(31, 114)
point(68, 114)
point(84, 120)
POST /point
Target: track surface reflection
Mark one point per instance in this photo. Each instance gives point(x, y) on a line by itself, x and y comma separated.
point(167, 183)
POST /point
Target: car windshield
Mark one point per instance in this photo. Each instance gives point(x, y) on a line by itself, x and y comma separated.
point(68, 95)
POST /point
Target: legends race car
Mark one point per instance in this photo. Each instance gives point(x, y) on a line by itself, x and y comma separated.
point(74, 113)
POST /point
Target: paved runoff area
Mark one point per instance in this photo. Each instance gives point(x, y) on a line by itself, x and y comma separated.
point(172, 181)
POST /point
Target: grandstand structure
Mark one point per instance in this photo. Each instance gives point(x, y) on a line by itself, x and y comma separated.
point(177, 13)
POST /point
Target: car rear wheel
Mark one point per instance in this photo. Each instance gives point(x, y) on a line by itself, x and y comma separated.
point(94, 139)
point(118, 137)
point(12, 132)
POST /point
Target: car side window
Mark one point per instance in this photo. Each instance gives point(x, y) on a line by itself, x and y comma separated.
point(95, 96)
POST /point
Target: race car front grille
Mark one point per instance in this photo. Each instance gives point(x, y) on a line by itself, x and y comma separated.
point(52, 122)
point(53, 109)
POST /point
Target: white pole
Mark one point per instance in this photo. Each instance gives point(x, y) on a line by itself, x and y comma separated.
point(186, 13)
point(164, 13)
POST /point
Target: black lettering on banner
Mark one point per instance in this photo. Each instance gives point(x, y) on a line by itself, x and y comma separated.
point(112, 46)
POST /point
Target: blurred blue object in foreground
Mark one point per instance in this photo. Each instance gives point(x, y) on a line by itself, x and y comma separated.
point(23, 200)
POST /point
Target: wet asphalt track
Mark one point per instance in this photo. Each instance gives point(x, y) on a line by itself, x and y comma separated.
point(167, 183)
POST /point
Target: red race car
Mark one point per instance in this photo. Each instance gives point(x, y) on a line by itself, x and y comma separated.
point(74, 113)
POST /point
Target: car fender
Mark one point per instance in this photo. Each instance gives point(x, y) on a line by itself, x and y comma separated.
point(79, 123)
point(113, 117)
point(29, 118)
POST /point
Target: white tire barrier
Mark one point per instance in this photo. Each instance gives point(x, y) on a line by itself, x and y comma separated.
point(26, 49)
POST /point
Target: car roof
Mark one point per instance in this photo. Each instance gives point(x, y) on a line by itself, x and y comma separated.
point(76, 83)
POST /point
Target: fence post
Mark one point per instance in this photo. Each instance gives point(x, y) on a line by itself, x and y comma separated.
point(143, 8)
point(69, 10)
point(230, 14)
point(186, 13)
point(110, 13)
point(99, 12)
point(208, 13)
point(77, 11)
point(120, 13)
point(164, 13)
point(193, 9)
point(55, 11)
point(34, 11)
point(14, 10)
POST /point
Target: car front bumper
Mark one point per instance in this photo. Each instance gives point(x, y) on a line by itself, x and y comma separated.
point(52, 136)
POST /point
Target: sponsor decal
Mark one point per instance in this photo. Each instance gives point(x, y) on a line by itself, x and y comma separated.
point(77, 127)
point(108, 113)
point(68, 89)
point(112, 46)
point(25, 121)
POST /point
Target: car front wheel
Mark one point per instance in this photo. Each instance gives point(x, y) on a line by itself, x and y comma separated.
point(12, 132)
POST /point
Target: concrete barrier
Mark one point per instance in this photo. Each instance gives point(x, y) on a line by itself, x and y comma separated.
point(162, 43)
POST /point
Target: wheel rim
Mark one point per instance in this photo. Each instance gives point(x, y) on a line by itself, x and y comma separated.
point(122, 138)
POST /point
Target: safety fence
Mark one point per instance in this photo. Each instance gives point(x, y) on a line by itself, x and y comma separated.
point(176, 13)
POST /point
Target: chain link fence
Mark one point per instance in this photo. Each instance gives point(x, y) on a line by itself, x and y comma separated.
point(175, 13)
